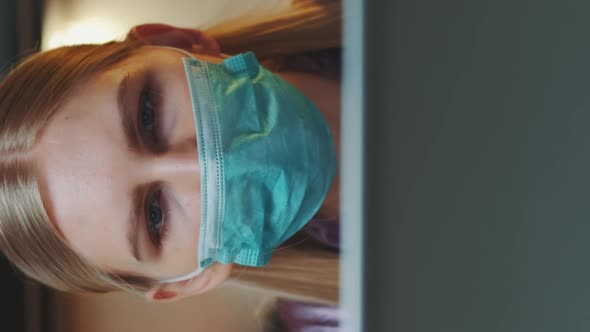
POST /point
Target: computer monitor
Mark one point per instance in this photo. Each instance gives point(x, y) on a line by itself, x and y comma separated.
point(467, 127)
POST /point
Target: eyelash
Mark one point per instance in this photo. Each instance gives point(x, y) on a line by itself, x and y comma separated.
point(155, 207)
point(148, 122)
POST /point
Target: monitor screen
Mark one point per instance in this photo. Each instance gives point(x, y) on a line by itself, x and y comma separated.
point(474, 195)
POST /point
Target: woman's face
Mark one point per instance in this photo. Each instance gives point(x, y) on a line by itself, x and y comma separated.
point(119, 170)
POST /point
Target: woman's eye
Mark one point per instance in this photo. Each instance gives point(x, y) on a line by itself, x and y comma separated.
point(154, 216)
point(147, 114)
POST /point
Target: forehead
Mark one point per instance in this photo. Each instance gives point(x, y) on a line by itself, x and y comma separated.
point(85, 170)
point(85, 135)
point(82, 188)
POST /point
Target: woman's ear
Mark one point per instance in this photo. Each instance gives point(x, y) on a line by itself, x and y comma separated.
point(168, 292)
point(209, 279)
point(167, 35)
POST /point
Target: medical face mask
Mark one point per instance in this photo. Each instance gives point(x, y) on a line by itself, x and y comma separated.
point(267, 160)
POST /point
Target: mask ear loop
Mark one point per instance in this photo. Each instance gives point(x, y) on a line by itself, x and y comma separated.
point(185, 52)
point(182, 278)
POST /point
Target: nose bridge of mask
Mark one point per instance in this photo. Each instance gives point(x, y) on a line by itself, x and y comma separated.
point(242, 65)
point(183, 51)
point(201, 267)
point(209, 142)
point(211, 158)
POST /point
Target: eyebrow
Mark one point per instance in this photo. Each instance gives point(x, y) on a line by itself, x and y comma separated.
point(127, 123)
point(126, 116)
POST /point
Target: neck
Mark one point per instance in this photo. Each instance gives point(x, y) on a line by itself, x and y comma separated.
point(325, 94)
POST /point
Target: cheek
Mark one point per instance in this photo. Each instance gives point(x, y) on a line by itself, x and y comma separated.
point(192, 225)
point(185, 113)
point(180, 118)
point(184, 241)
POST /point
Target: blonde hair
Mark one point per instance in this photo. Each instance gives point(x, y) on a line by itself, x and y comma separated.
point(307, 25)
point(29, 96)
point(301, 269)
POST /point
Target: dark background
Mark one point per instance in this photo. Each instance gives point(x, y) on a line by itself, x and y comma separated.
point(12, 306)
point(20, 33)
point(20, 30)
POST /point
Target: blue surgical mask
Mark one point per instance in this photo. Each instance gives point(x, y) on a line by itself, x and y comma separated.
point(267, 160)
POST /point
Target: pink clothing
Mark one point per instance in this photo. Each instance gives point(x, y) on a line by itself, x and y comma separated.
point(326, 231)
point(308, 317)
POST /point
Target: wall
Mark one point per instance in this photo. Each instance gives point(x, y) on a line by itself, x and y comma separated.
point(74, 21)
point(227, 309)
point(8, 37)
